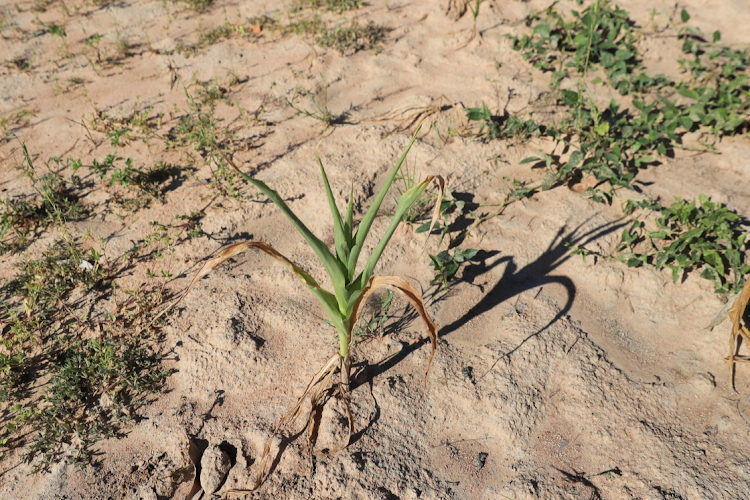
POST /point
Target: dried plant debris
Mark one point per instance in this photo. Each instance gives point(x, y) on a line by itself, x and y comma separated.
point(195, 452)
point(456, 9)
point(738, 315)
point(412, 115)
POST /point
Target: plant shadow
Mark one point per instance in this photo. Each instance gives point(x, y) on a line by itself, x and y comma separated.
point(514, 282)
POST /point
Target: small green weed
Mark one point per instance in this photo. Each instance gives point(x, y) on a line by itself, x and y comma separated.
point(200, 128)
point(702, 235)
point(718, 83)
point(601, 35)
point(96, 387)
point(146, 183)
point(447, 263)
point(198, 6)
point(451, 211)
point(141, 119)
point(374, 320)
point(98, 370)
point(14, 121)
point(489, 125)
point(338, 6)
point(512, 126)
point(52, 201)
point(308, 25)
point(317, 107)
point(613, 143)
point(348, 40)
point(688, 235)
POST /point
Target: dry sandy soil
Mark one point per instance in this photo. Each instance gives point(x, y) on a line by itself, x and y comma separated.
point(554, 377)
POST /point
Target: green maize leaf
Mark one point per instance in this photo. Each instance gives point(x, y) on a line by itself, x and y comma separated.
point(326, 299)
point(335, 269)
point(369, 218)
point(339, 234)
point(349, 224)
point(404, 204)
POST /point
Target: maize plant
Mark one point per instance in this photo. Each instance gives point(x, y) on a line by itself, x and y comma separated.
point(351, 289)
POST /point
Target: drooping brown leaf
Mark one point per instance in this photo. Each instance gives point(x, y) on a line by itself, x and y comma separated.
point(413, 115)
point(739, 329)
point(194, 452)
point(237, 248)
point(227, 253)
point(402, 287)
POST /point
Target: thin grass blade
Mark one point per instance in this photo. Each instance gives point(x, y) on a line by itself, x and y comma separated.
point(336, 270)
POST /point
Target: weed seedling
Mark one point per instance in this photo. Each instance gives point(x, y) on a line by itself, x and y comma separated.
point(703, 235)
point(344, 305)
point(198, 6)
point(349, 40)
point(51, 202)
point(338, 6)
point(317, 108)
point(375, 323)
point(447, 263)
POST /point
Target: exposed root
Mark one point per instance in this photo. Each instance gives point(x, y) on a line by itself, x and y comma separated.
point(410, 115)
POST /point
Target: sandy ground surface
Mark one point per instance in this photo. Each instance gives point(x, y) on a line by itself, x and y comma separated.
point(548, 370)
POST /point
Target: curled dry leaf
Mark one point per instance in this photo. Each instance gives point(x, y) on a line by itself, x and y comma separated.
point(195, 452)
point(402, 287)
point(590, 181)
point(739, 329)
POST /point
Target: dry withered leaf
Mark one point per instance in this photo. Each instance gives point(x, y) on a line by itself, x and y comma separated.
point(226, 254)
point(194, 452)
point(320, 378)
point(589, 181)
point(411, 115)
point(402, 287)
point(739, 329)
point(456, 9)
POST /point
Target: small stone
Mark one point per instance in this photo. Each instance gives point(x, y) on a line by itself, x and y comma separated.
point(215, 466)
point(145, 492)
